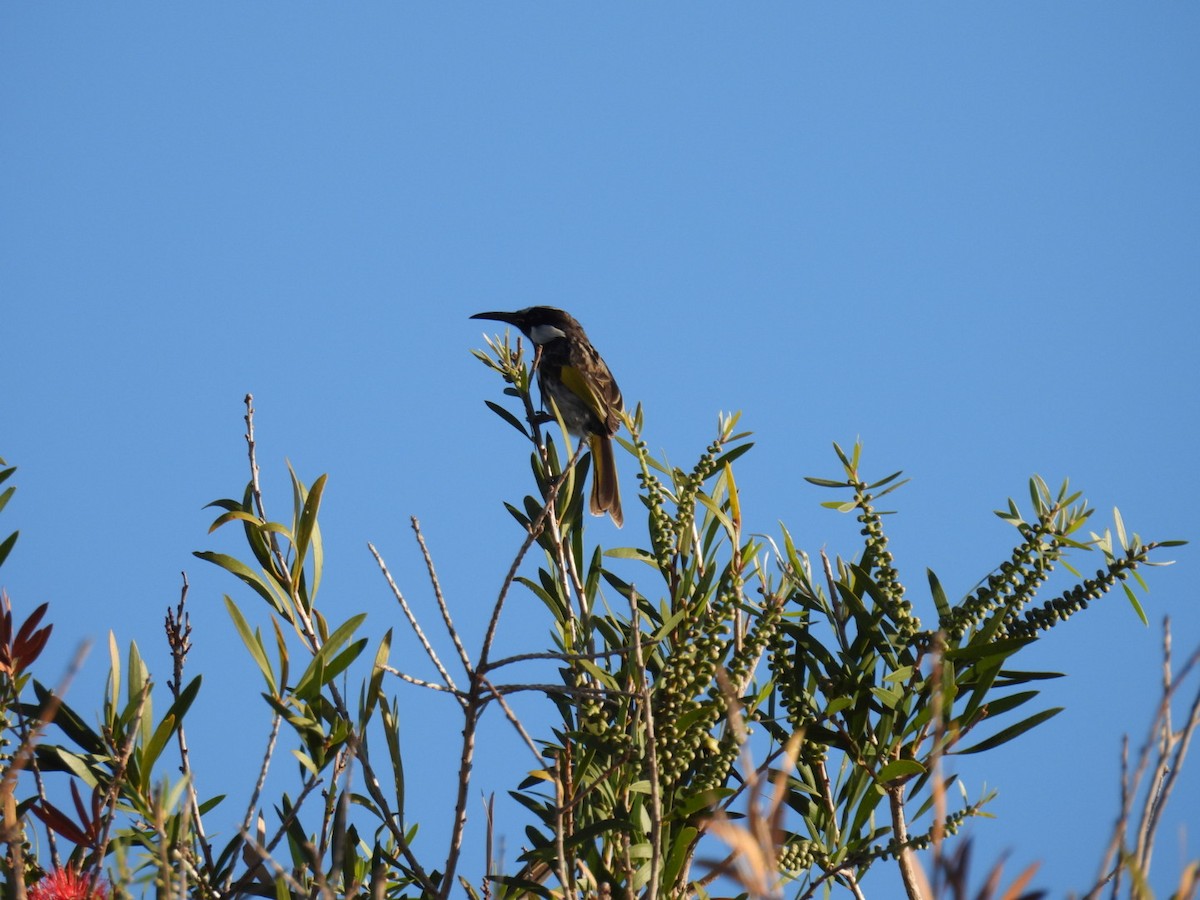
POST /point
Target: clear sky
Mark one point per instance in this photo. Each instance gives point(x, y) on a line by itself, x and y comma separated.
point(968, 234)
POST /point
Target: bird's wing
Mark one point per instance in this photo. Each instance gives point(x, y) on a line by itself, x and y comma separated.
point(582, 387)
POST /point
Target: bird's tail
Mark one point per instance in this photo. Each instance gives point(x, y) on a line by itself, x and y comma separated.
point(606, 497)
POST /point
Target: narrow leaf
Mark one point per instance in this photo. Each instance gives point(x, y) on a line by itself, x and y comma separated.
point(899, 768)
point(253, 642)
point(1012, 731)
point(1133, 601)
point(7, 545)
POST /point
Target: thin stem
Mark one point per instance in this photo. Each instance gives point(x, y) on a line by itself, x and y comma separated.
point(905, 857)
point(472, 710)
point(179, 632)
point(252, 805)
point(118, 776)
point(655, 809)
point(421, 682)
point(413, 623)
point(281, 565)
point(535, 529)
point(438, 596)
point(512, 717)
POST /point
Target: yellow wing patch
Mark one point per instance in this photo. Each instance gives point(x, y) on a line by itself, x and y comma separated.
point(577, 383)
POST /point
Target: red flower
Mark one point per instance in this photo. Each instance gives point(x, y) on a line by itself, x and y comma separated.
point(67, 884)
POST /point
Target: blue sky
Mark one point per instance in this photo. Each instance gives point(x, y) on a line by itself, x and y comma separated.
point(967, 234)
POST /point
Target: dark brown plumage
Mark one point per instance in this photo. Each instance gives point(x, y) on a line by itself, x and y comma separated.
point(576, 380)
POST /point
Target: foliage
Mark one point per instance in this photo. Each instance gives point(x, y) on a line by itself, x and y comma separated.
point(714, 688)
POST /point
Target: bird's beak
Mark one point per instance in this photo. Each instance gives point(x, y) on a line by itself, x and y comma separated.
point(510, 318)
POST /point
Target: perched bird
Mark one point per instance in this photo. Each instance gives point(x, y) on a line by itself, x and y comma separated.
point(575, 379)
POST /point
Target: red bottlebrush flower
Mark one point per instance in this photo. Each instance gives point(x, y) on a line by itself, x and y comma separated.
point(66, 884)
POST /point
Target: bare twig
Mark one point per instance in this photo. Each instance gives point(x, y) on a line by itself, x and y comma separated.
point(559, 656)
point(512, 717)
point(263, 851)
point(179, 634)
point(414, 624)
point(118, 776)
point(472, 710)
point(1170, 749)
point(910, 872)
point(257, 494)
point(421, 682)
point(439, 597)
point(562, 803)
point(535, 529)
point(475, 700)
point(260, 782)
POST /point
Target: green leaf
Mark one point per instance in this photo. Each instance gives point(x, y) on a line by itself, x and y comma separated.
point(899, 768)
point(324, 666)
point(1120, 529)
point(375, 685)
point(308, 687)
point(75, 764)
point(308, 537)
point(114, 680)
point(183, 703)
point(1012, 731)
point(985, 673)
point(1000, 705)
point(825, 482)
point(878, 484)
point(889, 697)
point(730, 455)
point(837, 704)
point(68, 720)
point(607, 826)
point(717, 512)
point(234, 515)
point(678, 853)
point(343, 660)
point(982, 649)
point(939, 595)
point(507, 416)
point(153, 748)
point(7, 545)
point(236, 567)
point(343, 633)
point(1011, 677)
point(631, 553)
point(253, 642)
point(1133, 601)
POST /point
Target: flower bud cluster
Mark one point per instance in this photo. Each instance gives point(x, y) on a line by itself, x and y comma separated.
point(798, 855)
point(1015, 582)
point(1069, 602)
point(877, 558)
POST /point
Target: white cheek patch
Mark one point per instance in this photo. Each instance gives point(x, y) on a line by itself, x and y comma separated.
point(544, 334)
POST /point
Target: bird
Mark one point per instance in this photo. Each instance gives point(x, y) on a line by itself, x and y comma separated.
point(576, 381)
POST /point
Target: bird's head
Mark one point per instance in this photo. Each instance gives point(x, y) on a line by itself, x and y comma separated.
point(541, 324)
